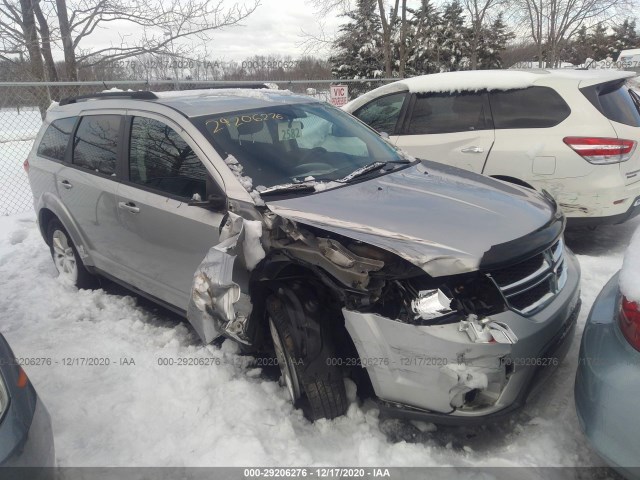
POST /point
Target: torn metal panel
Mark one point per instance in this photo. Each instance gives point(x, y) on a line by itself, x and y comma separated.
point(438, 218)
point(428, 367)
point(343, 264)
point(219, 304)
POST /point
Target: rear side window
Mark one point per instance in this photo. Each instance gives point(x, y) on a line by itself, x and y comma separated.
point(533, 107)
point(56, 138)
point(160, 159)
point(618, 103)
point(446, 113)
point(382, 113)
point(95, 146)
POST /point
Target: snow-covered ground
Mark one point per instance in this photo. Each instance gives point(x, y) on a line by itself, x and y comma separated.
point(228, 412)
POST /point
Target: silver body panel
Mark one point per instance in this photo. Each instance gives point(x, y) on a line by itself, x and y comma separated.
point(608, 385)
point(438, 218)
point(427, 364)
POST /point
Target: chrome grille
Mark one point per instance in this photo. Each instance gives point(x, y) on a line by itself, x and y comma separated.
point(530, 285)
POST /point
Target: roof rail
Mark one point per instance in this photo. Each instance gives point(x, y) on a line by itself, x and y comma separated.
point(139, 95)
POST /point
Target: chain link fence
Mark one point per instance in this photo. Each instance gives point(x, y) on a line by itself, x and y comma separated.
point(23, 105)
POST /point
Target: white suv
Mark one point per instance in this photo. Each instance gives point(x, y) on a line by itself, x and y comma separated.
point(573, 133)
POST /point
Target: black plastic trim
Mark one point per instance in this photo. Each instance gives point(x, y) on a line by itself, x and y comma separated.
point(520, 249)
point(138, 95)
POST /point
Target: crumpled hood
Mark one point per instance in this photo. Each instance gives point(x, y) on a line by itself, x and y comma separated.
point(440, 218)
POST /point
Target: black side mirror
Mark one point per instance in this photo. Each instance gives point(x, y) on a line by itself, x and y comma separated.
point(215, 201)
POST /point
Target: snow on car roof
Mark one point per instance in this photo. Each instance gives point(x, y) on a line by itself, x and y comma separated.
point(629, 285)
point(471, 80)
point(474, 80)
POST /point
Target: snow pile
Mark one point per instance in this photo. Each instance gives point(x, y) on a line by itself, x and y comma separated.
point(247, 182)
point(236, 168)
point(630, 273)
point(251, 246)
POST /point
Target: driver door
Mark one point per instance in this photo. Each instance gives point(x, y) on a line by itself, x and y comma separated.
point(163, 239)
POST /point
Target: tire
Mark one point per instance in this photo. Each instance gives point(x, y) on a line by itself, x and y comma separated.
point(304, 352)
point(65, 257)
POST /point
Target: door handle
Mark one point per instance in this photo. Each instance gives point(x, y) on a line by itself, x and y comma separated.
point(66, 184)
point(129, 206)
point(472, 150)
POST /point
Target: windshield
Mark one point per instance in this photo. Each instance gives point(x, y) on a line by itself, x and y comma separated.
point(290, 144)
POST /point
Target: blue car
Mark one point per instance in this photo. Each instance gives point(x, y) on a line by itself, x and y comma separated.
point(26, 436)
point(607, 388)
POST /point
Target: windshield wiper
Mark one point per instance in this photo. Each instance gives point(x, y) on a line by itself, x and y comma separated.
point(288, 187)
point(362, 171)
point(370, 168)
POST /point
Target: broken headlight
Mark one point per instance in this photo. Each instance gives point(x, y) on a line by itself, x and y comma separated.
point(425, 300)
point(431, 304)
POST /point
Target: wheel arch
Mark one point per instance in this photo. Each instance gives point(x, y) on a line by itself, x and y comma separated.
point(280, 272)
point(50, 207)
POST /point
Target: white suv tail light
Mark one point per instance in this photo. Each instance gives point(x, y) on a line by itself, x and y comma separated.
point(602, 151)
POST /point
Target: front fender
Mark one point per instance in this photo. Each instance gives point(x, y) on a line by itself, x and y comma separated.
point(219, 303)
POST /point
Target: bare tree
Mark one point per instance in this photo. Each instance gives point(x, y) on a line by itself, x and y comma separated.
point(310, 42)
point(388, 26)
point(478, 11)
point(162, 25)
point(323, 8)
point(554, 22)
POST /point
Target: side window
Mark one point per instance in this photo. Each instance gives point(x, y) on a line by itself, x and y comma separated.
point(382, 113)
point(95, 146)
point(533, 107)
point(160, 159)
point(56, 138)
point(446, 113)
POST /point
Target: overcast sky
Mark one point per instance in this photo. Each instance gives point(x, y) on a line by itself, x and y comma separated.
point(274, 28)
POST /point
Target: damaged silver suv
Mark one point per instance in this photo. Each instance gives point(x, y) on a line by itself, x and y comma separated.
point(291, 227)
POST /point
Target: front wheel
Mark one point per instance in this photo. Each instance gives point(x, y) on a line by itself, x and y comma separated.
point(304, 352)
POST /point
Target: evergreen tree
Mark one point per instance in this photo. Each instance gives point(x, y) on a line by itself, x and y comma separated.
point(359, 44)
point(493, 42)
point(624, 37)
point(599, 42)
point(579, 49)
point(453, 38)
point(425, 26)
